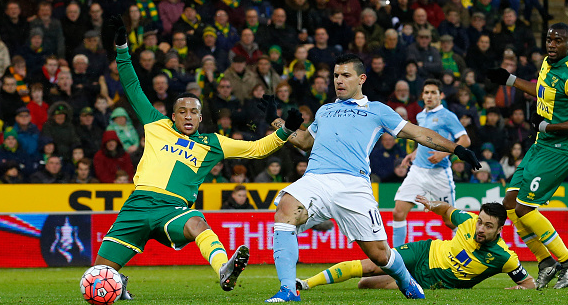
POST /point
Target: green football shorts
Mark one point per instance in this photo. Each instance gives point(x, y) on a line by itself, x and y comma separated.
point(144, 216)
point(415, 256)
point(539, 175)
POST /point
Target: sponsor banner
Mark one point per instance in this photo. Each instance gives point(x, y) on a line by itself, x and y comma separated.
point(40, 240)
point(47, 198)
point(470, 196)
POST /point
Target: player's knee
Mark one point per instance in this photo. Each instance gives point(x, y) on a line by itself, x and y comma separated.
point(364, 283)
point(400, 210)
point(398, 214)
point(290, 210)
point(522, 210)
point(381, 258)
point(194, 226)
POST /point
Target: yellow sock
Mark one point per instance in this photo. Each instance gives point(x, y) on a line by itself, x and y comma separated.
point(530, 239)
point(337, 273)
point(212, 249)
point(534, 221)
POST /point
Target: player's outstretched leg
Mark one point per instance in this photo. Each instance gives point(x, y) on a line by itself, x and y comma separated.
point(406, 283)
point(335, 274)
point(231, 270)
point(126, 295)
point(541, 227)
point(285, 257)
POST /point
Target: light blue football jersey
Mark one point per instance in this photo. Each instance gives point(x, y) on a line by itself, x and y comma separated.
point(445, 123)
point(345, 132)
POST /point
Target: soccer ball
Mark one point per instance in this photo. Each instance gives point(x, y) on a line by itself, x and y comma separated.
point(101, 285)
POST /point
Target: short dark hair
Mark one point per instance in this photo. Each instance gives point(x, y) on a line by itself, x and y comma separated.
point(84, 161)
point(358, 64)
point(186, 95)
point(496, 210)
point(239, 187)
point(560, 26)
point(433, 81)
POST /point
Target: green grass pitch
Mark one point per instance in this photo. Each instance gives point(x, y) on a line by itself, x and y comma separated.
point(199, 285)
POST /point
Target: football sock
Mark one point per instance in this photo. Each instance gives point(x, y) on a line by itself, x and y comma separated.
point(398, 233)
point(337, 273)
point(529, 238)
point(211, 249)
point(543, 229)
point(286, 254)
point(397, 270)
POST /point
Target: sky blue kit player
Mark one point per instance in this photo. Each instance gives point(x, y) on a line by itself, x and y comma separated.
point(336, 184)
point(430, 174)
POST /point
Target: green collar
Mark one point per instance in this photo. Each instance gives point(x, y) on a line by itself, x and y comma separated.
point(558, 63)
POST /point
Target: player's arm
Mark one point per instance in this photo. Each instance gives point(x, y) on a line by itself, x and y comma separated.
point(438, 156)
point(504, 78)
point(430, 138)
point(140, 103)
point(522, 278)
point(441, 208)
point(302, 139)
point(265, 146)
point(540, 125)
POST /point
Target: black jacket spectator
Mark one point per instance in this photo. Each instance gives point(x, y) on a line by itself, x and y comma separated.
point(14, 34)
point(522, 38)
point(89, 134)
point(61, 131)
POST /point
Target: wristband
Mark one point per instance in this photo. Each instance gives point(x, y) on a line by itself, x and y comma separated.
point(124, 46)
point(542, 126)
point(287, 131)
point(511, 80)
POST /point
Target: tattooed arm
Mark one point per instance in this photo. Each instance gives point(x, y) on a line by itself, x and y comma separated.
point(427, 137)
point(300, 138)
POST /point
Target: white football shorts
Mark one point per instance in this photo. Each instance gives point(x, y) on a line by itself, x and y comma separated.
point(347, 199)
point(432, 183)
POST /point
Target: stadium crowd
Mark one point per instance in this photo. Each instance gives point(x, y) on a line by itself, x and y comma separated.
point(65, 118)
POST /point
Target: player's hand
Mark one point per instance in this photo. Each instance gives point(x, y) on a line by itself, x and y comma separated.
point(117, 25)
point(407, 160)
point(294, 119)
point(269, 105)
point(468, 156)
point(501, 76)
point(437, 156)
point(424, 201)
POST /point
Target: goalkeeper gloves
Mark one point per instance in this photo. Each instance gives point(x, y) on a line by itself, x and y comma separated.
point(268, 105)
point(116, 24)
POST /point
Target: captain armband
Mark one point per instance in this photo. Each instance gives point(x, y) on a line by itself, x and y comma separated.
point(518, 274)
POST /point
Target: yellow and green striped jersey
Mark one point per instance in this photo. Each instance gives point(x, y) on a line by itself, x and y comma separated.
point(462, 262)
point(176, 164)
point(552, 100)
